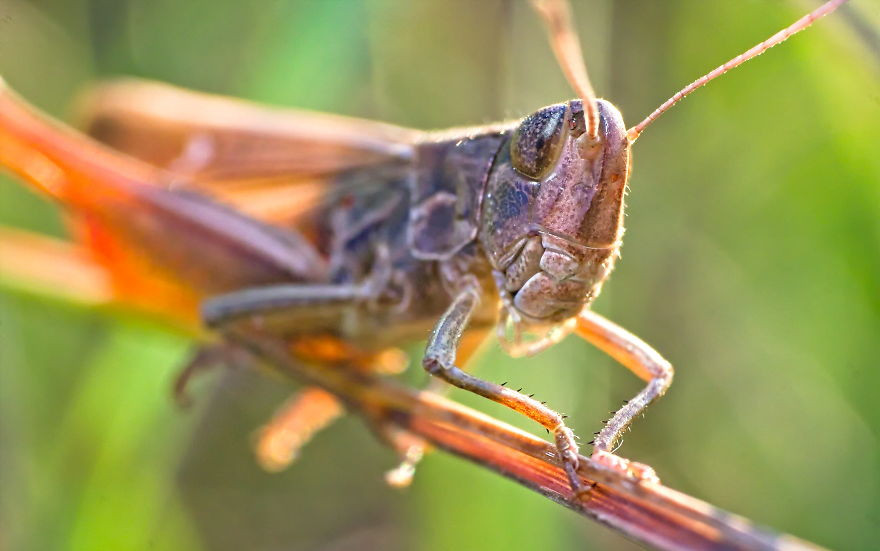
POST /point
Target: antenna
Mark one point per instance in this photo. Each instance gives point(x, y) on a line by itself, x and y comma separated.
point(558, 20)
point(781, 36)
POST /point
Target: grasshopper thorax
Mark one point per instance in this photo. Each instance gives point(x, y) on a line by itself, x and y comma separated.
point(552, 219)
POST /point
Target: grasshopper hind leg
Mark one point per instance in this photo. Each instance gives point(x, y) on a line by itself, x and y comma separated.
point(309, 305)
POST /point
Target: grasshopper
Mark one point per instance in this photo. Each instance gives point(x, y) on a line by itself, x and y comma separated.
point(346, 238)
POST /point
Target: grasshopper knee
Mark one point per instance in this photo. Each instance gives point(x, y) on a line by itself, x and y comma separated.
point(433, 366)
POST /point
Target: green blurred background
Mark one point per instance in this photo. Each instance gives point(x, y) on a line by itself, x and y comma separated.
point(752, 261)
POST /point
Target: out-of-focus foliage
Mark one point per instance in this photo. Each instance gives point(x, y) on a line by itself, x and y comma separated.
point(752, 261)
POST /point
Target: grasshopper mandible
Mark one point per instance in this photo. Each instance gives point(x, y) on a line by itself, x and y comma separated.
point(347, 238)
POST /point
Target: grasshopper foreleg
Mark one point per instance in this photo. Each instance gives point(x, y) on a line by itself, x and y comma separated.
point(439, 361)
point(637, 356)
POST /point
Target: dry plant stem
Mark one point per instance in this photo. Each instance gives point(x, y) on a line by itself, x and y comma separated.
point(649, 513)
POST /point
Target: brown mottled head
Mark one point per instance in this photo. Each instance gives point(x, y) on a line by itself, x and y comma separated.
point(552, 218)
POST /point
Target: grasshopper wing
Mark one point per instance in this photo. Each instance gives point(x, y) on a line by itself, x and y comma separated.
point(270, 163)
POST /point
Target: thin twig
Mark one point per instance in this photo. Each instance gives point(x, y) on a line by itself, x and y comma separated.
point(651, 514)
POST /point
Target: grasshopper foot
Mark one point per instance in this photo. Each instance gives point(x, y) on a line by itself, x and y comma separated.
point(411, 451)
point(579, 490)
point(401, 476)
point(638, 472)
point(566, 446)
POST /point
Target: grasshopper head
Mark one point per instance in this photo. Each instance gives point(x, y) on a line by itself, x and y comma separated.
point(552, 218)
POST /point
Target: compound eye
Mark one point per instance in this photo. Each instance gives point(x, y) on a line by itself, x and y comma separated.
point(538, 140)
